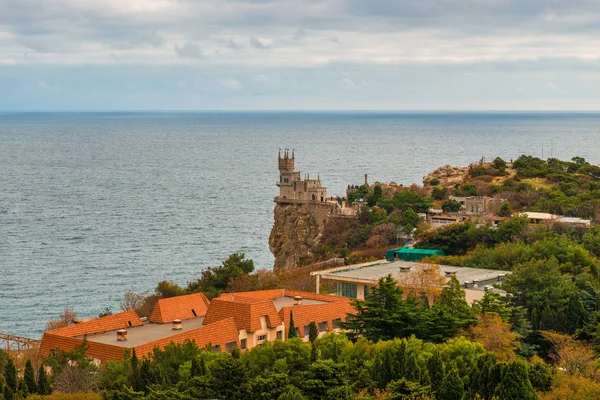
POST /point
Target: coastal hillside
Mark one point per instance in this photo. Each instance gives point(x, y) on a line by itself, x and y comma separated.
point(387, 215)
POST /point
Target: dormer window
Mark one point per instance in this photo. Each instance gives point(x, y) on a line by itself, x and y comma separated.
point(194, 312)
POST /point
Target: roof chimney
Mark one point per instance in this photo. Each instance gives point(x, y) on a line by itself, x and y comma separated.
point(297, 300)
point(122, 335)
point(177, 325)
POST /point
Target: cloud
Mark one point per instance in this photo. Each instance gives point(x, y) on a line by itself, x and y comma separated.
point(315, 48)
point(261, 78)
point(230, 83)
point(257, 44)
point(189, 50)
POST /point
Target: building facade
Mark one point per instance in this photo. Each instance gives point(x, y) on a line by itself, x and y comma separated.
point(242, 320)
point(293, 188)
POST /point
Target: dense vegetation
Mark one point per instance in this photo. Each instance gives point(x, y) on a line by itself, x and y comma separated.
point(398, 347)
point(390, 212)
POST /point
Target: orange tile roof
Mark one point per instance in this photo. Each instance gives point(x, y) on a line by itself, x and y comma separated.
point(104, 324)
point(101, 351)
point(274, 293)
point(218, 333)
point(305, 314)
point(179, 307)
point(246, 311)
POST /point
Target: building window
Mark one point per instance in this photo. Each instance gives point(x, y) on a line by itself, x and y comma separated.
point(217, 348)
point(280, 335)
point(323, 326)
point(229, 346)
point(243, 344)
point(366, 290)
point(129, 323)
point(347, 290)
point(262, 337)
point(336, 323)
point(306, 330)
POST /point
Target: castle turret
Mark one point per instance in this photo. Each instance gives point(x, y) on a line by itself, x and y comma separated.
point(293, 187)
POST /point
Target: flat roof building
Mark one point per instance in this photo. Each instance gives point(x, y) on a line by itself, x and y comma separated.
point(355, 281)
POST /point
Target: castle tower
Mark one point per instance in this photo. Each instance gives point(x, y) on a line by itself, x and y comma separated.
point(288, 178)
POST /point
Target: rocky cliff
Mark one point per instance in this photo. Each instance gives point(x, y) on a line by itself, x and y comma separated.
point(297, 232)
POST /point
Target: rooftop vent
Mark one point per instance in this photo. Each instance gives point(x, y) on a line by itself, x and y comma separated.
point(405, 268)
point(451, 273)
point(297, 300)
point(122, 335)
point(177, 325)
point(144, 320)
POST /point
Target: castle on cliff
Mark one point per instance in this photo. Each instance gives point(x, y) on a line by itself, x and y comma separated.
point(292, 188)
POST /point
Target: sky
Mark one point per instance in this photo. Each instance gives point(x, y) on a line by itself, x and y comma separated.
point(299, 54)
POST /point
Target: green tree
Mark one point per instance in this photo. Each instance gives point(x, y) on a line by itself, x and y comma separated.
point(451, 206)
point(450, 314)
point(410, 220)
point(438, 193)
point(493, 302)
point(541, 376)
point(482, 377)
point(29, 378)
point(384, 314)
point(405, 389)
point(321, 377)
point(43, 383)
point(134, 372)
point(452, 387)
point(229, 377)
point(505, 210)
point(515, 383)
point(499, 164)
point(214, 281)
point(313, 332)
point(436, 369)
point(291, 393)
point(292, 331)
point(10, 375)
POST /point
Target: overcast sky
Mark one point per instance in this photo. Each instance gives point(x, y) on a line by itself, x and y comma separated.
point(299, 54)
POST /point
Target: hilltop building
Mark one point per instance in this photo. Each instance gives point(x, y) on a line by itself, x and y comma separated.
point(243, 320)
point(294, 189)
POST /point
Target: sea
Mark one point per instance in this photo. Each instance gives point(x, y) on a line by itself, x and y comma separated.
point(93, 204)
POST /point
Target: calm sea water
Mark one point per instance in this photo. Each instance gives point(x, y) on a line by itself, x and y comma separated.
point(95, 204)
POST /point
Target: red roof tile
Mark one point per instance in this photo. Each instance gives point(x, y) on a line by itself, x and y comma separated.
point(109, 323)
point(305, 314)
point(218, 333)
point(101, 351)
point(274, 293)
point(246, 312)
point(179, 307)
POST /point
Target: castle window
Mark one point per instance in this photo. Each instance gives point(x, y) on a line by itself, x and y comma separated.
point(313, 197)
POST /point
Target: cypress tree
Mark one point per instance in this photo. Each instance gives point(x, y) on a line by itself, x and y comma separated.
point(436, 369)
point(515, 383)
point(23, 391)
point(452, 387)
point(197, 369)
point(8, 393)
point(134, 372)
point(29, 378)
point(413, 372)
point(43, 383)
point(313, 353)
point(292, 331)
point(402, 359)
point(10, 375)
point(312, 332)
point(482, 380)
point(146, 378)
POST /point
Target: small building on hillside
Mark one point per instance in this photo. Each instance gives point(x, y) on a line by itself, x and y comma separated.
point(355, 281)
point(243, 320)
point(479, 204)
point(411, 254)
point(438, 221)
point(546, 218)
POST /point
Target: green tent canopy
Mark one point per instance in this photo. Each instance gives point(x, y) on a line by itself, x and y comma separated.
point(411, 254)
